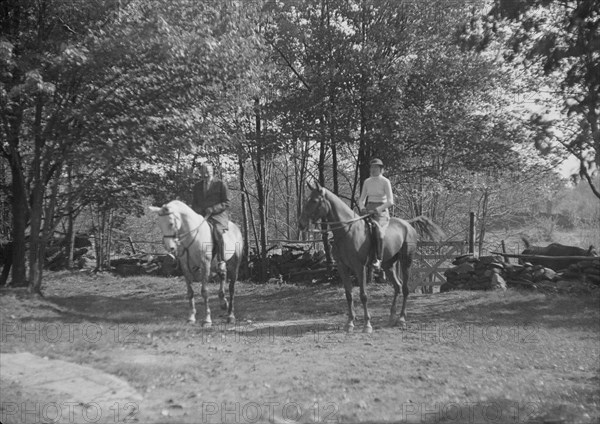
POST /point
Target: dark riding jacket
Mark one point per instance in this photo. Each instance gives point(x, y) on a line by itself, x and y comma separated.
point(213, 202)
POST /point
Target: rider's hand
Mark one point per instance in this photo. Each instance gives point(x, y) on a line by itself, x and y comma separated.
point(363, 211)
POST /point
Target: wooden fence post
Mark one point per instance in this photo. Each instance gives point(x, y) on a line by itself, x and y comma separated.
point(504, 251)
point(131, 245)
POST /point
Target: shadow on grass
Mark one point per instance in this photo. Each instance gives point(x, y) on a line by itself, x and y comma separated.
point(512, 307)
point(159, 302)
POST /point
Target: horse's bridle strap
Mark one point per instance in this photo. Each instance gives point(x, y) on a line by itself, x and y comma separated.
point(180, 236)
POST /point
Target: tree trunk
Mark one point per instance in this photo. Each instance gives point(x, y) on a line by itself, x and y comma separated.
point(325, 236)
point(288, 195)
point(300, 165)
point(244, 199)
point(109, 238)
point(19, 213)
point(364, 150)
point(99, 238)
point(261, 194)
point(334, 158)
point(37, 203)
point(482, 220)
point(70, 237)
point(47, 231)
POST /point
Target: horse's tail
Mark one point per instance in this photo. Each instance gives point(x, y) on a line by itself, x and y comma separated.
point(526, 242)
point(428, 227)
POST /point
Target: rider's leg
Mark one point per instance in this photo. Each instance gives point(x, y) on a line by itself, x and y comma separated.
point(378, 244)
point(220, 249)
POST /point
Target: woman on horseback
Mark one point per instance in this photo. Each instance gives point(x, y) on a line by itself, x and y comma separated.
point(375, 199)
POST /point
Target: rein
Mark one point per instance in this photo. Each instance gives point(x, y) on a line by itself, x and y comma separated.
point(341, 224)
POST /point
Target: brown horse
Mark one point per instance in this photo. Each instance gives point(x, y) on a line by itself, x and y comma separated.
point(352, 247)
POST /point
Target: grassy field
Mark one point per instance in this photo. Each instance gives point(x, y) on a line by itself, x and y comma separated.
point(510, 357)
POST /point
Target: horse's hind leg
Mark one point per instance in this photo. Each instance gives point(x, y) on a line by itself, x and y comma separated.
point(392, 275)
point(232, 279)
point(405, 262)
point(222, 298)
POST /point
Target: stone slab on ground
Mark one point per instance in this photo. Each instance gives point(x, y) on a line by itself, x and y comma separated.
point(59, 391)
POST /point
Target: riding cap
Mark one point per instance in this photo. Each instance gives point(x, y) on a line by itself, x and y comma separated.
point(376, 162)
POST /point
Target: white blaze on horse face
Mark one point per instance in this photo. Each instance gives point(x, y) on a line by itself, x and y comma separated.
point(168, 227)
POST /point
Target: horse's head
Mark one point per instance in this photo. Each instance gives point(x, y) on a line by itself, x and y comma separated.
point(316, 207)
point(169, 222)
point(592, 251)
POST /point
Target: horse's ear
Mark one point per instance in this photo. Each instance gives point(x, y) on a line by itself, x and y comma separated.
point(310, 186)
point(154, 209)
point(321, 189)
point(318, 186)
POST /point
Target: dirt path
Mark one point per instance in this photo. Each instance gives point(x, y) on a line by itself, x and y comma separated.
point(466, 356)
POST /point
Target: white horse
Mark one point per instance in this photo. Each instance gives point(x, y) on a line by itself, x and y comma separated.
point(188, 236)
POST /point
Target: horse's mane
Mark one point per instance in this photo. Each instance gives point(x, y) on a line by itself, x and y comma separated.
point(335, 199)
point(178, 206)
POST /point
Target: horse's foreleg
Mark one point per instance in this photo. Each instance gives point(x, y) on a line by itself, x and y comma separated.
point(363, 298)
point(345, 277)
point(190, 295)
point(204, 279)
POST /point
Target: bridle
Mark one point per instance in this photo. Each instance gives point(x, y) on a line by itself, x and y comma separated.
point(176, 236)
point(179, 237)
point(340, 224)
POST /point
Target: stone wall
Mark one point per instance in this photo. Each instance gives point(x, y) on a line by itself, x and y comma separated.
point(492, 273)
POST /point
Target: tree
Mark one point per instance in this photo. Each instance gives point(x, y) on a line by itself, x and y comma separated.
point(559, 39)
point(105, 86)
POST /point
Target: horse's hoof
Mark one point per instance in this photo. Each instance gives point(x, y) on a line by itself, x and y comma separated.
point(393, 321)
point(206, 324)
point(230, 320)
point(367, 329)
point(191, 320)
point(402, 324)
point(349, 328)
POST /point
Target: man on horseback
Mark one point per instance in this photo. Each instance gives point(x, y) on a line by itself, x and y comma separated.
point(375, 199)
point(211, 200)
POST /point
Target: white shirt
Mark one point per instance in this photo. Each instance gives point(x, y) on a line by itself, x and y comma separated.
point(377, 190)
